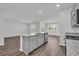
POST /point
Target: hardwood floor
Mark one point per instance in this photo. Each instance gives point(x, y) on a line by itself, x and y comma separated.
point(11, 47)
point(52, 48)
point(12, 52)
point(39, 51)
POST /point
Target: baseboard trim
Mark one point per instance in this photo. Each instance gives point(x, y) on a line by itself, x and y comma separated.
point(20, 49)
point(11, 37)
point(62, 44)
point(53, 36)
point(25, 52)
point(1, 44)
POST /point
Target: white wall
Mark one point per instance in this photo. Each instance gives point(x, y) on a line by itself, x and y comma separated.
point(64, 18)
point(13, 28)
point(65, 25)
point(10, 27)
point(35, 29)
point(53, 21)
point(1, 29)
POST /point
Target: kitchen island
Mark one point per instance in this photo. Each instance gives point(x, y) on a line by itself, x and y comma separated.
point(29, 43)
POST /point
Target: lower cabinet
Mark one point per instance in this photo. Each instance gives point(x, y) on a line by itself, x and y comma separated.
point(33, 43)
point(40, 40)
point(26, 44)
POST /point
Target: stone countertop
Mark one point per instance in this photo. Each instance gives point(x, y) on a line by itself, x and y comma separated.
point(33, 34)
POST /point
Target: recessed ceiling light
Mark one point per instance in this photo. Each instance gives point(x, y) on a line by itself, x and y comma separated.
point(40, 12)
point(58, 5)
point(22, 20)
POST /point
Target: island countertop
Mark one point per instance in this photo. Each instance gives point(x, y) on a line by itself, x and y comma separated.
point(33, 34)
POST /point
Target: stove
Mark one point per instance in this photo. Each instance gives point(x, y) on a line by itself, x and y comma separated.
point(72, 44)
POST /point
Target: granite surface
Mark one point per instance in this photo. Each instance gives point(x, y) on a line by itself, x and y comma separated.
point(72, 47)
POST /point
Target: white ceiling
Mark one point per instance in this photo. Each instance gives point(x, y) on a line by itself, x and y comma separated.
point(29, 11)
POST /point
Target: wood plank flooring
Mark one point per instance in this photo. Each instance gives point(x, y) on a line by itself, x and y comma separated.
point(52, 48)
point(11, 47)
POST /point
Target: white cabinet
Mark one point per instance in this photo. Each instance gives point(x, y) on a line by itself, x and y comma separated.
point(30, 43)
point(33, 43)
point(26, 45)
point(40, 40)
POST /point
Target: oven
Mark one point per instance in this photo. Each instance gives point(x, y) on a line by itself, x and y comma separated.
point(72, 45)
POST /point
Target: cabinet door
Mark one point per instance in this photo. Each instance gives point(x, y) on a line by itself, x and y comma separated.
point(26, 44)
point(40, 40)
point(33, 43)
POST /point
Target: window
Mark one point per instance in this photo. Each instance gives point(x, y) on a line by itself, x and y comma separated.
point(52, 27)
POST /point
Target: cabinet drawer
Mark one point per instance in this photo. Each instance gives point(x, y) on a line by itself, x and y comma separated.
point(26, 45)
